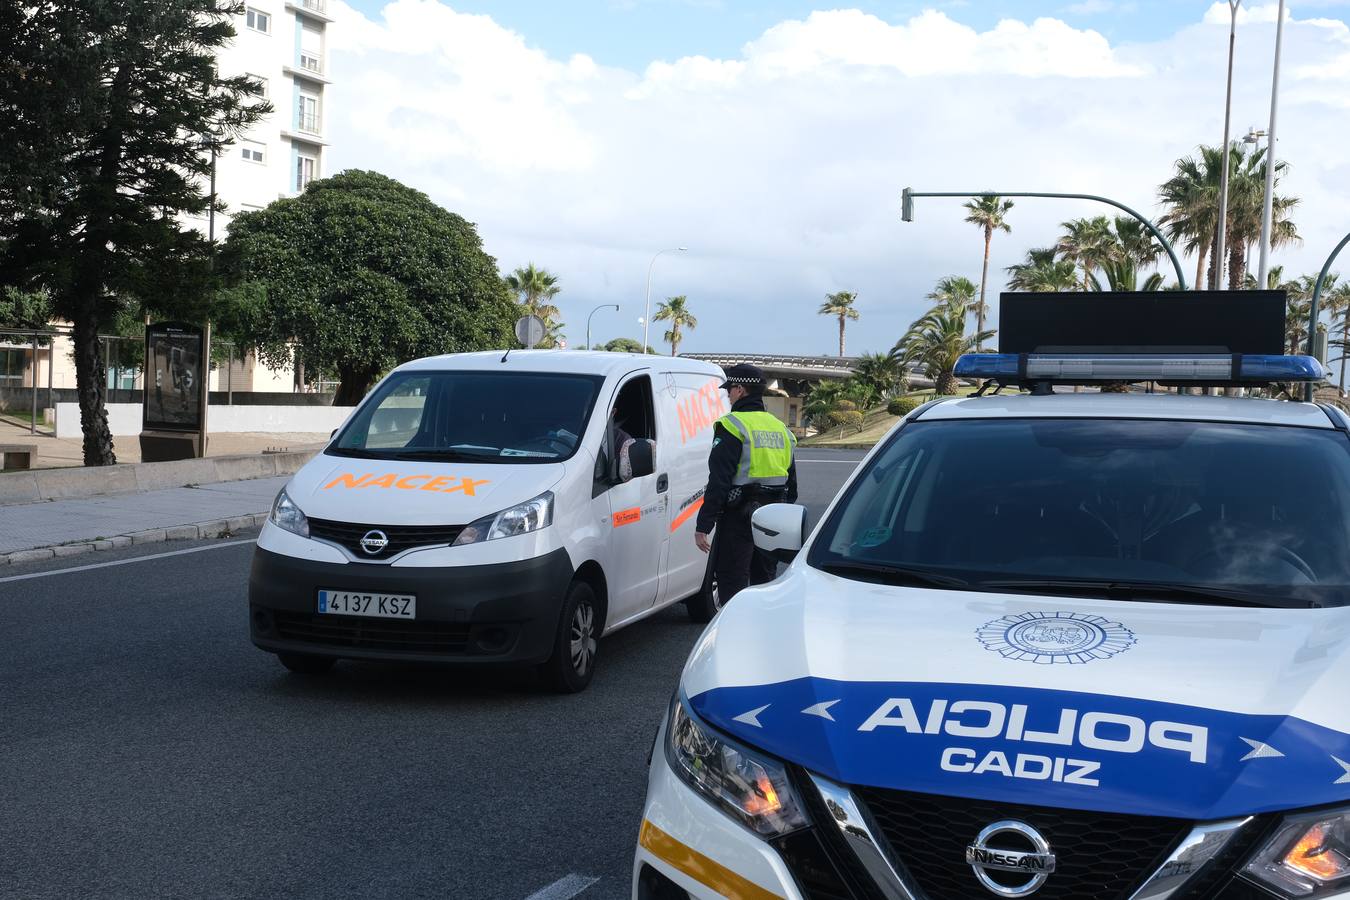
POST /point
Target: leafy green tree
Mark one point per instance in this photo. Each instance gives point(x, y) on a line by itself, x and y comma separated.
point(108, 109)
point(1337, 301)
point(1042, 272)
point(535, 289)
point(24, 309)
point(821, 400)
point(990, 213)
point(840, 304)
point(1089, 244)
point(1191, 198)
point(938, 339)
point(364, 273)
point(675, 310)
point(625, 345)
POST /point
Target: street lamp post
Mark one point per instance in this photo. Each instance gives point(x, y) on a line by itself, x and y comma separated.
point(615, 306)
point(1267, 209)
point(1223, 177)
point(907, 213)
point(1312, 310)
point(647, 317)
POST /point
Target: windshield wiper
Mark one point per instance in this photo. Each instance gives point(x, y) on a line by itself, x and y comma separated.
point(441, 455)
point(870, 571)
point(1147, 590)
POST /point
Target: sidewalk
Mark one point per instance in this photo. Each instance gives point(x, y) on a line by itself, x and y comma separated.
point(55, 452)
point(36, 531)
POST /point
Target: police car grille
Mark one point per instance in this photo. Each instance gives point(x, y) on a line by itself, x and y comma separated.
point(401, 537)
point(1099, 856)
point(372, 634)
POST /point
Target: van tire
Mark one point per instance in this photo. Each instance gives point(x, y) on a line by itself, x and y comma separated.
point(304, 664)
point(575, 648)
point(705, 604)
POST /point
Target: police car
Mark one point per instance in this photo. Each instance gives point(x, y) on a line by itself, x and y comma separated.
point(493, 509)
point(1051, 644)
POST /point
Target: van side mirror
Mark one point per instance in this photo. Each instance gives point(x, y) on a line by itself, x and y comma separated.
point(779, 529)
point(640, 456)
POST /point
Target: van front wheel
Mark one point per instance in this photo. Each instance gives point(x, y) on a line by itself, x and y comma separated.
point(575, 649)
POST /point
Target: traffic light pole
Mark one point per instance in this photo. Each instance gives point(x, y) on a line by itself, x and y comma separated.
point(907, 213)
point(1312, 309)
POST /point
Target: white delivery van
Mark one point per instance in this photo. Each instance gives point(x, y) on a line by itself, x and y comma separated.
point(490, 508)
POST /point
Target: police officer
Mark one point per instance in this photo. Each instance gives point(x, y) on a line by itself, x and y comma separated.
point(751, 464)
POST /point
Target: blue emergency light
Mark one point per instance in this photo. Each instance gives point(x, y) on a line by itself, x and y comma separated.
point(1089, 368)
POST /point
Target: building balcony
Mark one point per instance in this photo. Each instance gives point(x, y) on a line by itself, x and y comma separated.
point(314, 9)
point(308, 123)
point(307, 74)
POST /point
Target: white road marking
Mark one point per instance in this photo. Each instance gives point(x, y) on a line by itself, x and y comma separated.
point(124, 562)
point(752, 717)
point(564, 888)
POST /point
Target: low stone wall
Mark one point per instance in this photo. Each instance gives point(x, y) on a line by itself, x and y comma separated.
point(36, 485)
point(124, 419)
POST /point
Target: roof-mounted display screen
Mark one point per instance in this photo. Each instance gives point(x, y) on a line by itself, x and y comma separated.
point(1171, 322)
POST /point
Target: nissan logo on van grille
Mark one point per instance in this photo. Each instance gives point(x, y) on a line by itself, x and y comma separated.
point(990, 854)
point(374, 541)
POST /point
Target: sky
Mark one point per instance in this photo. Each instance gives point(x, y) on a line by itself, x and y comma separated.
point(773, 138)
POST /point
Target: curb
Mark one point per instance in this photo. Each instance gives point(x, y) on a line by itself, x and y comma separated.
point(216, 528)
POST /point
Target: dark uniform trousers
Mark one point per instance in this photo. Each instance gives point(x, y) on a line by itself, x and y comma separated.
point(735, 560)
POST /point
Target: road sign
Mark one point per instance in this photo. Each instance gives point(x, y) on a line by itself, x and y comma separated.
point(530, 330)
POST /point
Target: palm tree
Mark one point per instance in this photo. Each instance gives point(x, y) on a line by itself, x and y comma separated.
point(1246, 193)
point(954, 289)
point(1337, 302)
point(988, 211)
point(1088, 243)
point(938, 339)
point(534, 288)
point(1191, 196)
point(1041, 272)
point(840, 304)
point(881, 371)
point(676, 311)
point(821, 399)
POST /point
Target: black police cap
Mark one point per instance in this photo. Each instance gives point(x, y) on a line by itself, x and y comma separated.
point(744, 374)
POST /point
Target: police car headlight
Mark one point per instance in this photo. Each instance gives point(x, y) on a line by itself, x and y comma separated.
point(1309, 857)
point(287, 516)
point(752, 788)
point(522, 518)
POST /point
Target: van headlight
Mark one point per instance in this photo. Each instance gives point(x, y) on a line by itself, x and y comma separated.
point(287, 516)
point(522, 518)
point(752, 788)
point(1309, 857)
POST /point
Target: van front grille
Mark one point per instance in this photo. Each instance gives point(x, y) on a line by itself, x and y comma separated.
point(401, 537)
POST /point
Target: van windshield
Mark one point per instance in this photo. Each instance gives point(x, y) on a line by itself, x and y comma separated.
point(513, 417)
point(1204, 512)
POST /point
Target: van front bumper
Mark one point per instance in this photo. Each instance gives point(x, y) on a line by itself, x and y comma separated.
point(498, 613)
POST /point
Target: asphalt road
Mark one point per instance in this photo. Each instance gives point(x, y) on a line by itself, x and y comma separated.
point(147, 749)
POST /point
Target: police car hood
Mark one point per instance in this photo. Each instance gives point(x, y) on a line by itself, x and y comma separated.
point(408, 492)
point(1193, 711)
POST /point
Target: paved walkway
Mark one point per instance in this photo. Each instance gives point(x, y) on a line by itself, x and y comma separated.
point(35, 525)
point(60, 452)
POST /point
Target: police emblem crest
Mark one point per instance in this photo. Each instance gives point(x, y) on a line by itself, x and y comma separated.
point(1047, 638)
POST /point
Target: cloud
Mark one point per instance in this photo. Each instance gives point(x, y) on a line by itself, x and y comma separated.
point(781, 166)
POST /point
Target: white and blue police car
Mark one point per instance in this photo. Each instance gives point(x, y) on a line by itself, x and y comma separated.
point(1079, 646)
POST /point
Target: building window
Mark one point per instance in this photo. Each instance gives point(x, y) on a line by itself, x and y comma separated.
point(308, 117)
point(311, 49)
point(258, 20)
point(13, 364)
point(253, 151)
point(306, 170)
point(260, 83)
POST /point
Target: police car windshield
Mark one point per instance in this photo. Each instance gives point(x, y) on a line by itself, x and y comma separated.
point(501, 417)
point(1228, 513)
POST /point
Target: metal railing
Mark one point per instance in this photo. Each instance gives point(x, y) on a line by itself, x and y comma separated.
point(308, 122)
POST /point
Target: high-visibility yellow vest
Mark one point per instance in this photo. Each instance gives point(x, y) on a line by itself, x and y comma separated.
point(766, 447)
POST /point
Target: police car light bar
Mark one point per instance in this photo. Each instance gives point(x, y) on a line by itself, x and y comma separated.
point(1084, 368)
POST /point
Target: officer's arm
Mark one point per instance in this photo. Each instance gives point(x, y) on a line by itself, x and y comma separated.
point(722, 463)
point(792, 481)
